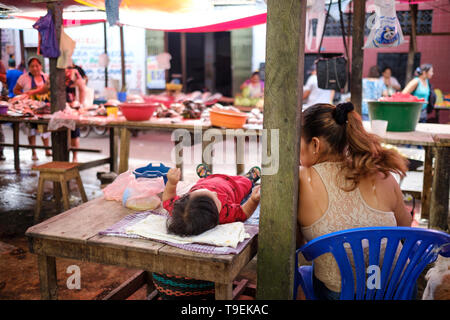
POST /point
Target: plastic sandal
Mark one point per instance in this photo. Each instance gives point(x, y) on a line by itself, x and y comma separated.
point(203, 171)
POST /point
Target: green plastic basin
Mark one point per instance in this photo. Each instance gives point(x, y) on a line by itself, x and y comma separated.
point(401, 116)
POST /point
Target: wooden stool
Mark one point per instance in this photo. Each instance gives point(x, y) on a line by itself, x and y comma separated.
point(61, 173)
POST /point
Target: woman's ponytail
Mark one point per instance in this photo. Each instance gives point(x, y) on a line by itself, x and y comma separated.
point(366, 156)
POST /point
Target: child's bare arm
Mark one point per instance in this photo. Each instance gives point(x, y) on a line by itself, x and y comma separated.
point(170, 191)
point(252, 203)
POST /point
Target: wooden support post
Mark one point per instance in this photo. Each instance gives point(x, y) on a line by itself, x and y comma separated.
point(16, 146)
point(22, 48)
point(412, 43)
point(166, 49)
point(283, 104)
point(122, 60)
point(47, 277)
point(60, 145)
point(105, 37)
point(441, 181)
point(113, 149)
point(183, 61)
point(427, 184)
point(359, 14)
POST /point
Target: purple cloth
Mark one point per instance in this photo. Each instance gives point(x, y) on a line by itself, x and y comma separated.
point(48, 45)
point(118, 230)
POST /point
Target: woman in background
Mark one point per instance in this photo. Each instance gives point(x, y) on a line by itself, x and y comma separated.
point(421, 88)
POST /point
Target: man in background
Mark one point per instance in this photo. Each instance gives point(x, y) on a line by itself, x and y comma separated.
point(312, 94)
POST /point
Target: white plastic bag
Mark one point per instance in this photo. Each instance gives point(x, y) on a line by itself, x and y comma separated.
point(315, 10)
point(385, 29)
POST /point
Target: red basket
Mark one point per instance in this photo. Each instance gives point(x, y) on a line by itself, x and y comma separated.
point(138, 111)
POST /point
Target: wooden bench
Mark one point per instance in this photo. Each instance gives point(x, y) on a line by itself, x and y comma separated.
point(60, 173)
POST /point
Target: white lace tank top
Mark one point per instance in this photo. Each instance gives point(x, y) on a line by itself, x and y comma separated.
point(346, 210)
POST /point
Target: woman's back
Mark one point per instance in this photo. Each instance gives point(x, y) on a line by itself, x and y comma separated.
point(329, 209)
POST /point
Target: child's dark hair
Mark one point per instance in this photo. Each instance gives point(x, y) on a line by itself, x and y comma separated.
point(193, 215)
point(342, 129)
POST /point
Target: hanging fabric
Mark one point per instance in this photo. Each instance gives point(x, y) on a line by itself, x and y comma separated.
point(112, 11)
point(315, 10)
point(385, 29)
point(332, 73)
point(67, 46)
point(48, 44)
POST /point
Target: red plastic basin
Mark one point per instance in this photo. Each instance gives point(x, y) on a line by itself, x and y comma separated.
point(138, 111)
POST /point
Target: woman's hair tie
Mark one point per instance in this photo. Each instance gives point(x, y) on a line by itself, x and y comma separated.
point(342, 110)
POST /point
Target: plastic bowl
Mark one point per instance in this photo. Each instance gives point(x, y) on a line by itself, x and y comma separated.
point(3, 109)
point(401, 116)
point(227, 118)
point(138, 111)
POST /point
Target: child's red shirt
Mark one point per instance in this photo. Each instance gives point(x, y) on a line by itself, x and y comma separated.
point(230, 190)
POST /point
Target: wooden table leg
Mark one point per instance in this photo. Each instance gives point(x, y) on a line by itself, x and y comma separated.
point(223, 291)
point(65, 193)
point(47, 277)
point(81, 188)
point(16, 146)
point(40, 193)
point(113, 149)
point(124, 149)
point(427, 184)
point(239, 143)
point(439, 197)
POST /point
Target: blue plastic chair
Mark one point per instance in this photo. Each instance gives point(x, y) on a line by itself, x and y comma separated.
point(420, 247)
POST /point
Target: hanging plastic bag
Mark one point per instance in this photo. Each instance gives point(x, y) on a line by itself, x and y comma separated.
point(141, 194)
point(315, 10)
point(385, 29)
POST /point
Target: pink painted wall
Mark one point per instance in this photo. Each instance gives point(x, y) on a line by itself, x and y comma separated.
point(433, 49)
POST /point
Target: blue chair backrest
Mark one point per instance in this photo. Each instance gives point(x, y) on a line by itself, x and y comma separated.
point(151, 171)
point(419, 248)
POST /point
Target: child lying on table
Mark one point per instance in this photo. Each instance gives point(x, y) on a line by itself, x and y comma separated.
point(214, 199)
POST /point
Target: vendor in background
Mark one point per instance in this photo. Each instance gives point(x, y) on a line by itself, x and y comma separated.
point(81, 72)
point(75, 81)
point(391, 84)
point(36, 85)
point(254, 86)
point(420, 87)
point(312, 94)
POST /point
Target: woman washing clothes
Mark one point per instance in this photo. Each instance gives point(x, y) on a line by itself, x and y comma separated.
point(345, 182)
point(36, 85)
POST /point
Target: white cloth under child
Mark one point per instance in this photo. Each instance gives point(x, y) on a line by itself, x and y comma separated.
point(223, 235)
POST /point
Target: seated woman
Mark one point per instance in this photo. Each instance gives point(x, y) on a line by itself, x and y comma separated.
point(214, 199)
point(345, 182)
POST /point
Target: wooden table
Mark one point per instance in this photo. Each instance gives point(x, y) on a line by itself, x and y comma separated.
point(120, 127)
point(74, 235)
point(435, 138)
